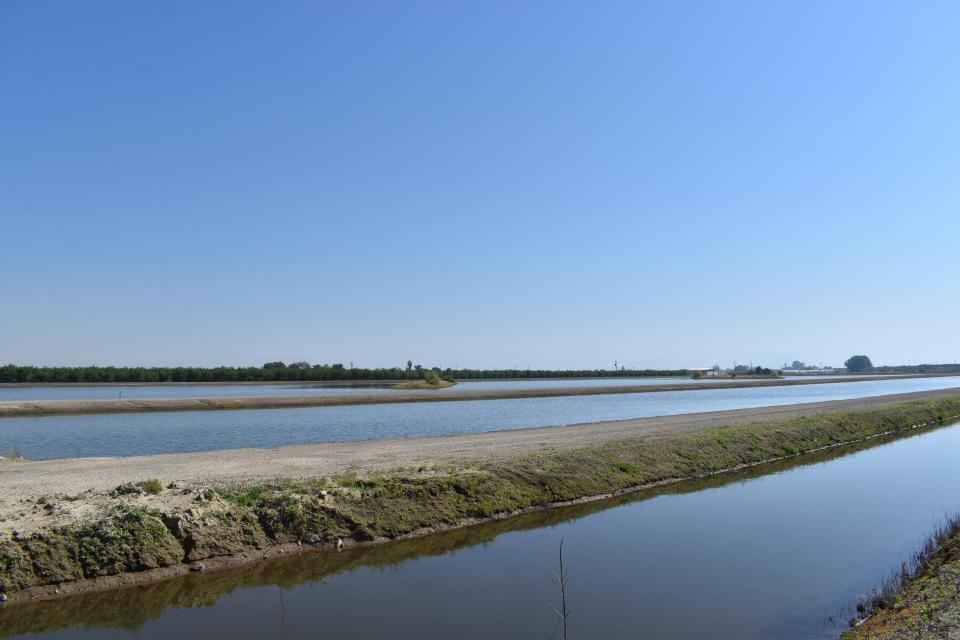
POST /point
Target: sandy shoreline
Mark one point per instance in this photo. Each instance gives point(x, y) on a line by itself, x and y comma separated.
point(28, 408)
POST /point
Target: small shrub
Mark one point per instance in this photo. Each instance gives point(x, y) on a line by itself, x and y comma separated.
point(246, 496)
point(152, 487)
point(347, 480)
point(626, 467)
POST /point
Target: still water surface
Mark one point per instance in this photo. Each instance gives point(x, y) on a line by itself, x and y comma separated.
point(145, 433)
point(125, 391)
point(740, 556)
point(111, 392)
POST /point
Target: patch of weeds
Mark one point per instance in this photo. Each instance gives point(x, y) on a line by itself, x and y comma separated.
point(151, 487)
point(484, 509)
point(348, 480)
point(126, 489)
point(248, 496)
point(305, 487)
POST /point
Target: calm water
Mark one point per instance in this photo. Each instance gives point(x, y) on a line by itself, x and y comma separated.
point(739, 557)
point(145, 433)
point(496, 385)
point(111, 392)
point(477, 385)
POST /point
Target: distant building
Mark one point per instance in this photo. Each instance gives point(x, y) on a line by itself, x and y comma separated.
point(703, 371)
point(808, 372)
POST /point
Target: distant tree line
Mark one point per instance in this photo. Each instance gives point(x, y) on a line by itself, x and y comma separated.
point(296, 372)
point(757, 371)
point(919, 368)
point(800, 365)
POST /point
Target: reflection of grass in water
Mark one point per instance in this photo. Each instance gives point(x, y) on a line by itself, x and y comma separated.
point(132, 607)
point(919, 563)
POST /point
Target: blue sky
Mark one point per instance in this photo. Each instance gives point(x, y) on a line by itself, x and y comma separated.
point(488, 184)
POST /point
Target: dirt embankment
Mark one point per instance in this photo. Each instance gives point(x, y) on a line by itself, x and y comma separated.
point(144, 530)
point(922, 600)
point(27, 408)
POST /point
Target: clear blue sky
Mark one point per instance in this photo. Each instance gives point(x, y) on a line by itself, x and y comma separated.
point(486, 184)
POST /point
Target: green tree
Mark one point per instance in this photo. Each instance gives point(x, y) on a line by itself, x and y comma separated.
point(858, 363)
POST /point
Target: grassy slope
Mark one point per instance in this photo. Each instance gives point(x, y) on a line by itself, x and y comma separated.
point(921, 602)
point(231, 520)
